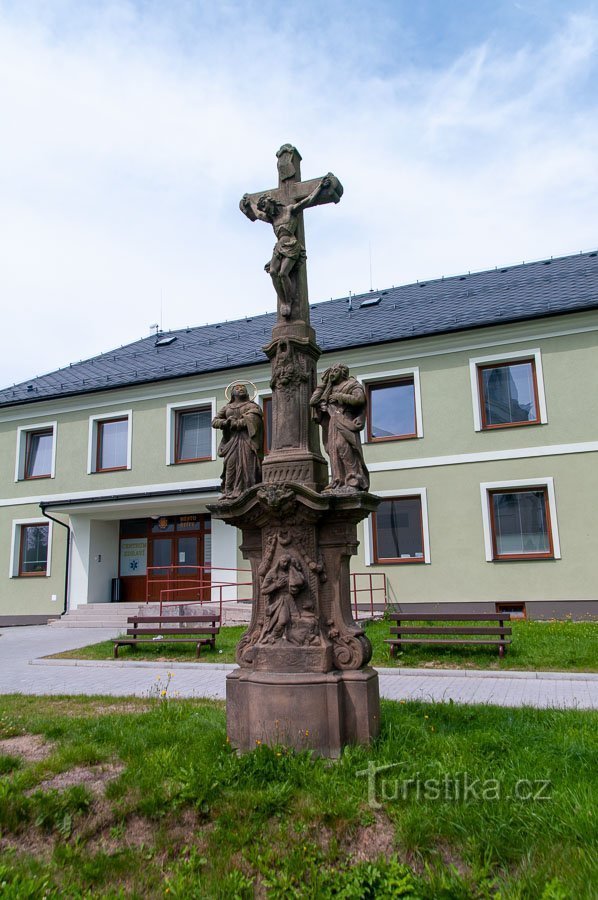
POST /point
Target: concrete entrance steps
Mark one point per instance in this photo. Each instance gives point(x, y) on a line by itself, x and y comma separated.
point(114, 615)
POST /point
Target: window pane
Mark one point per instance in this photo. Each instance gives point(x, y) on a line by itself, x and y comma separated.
point(399, 529)
point(39, 454)
point(34, 549)
point(113, 444)
point(520, 523)
point(508, 394)
point(392, 410)
point(187, 557)
point(194, 435)
point(161, 557)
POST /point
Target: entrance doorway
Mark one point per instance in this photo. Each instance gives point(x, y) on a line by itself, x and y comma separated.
point(177, 550)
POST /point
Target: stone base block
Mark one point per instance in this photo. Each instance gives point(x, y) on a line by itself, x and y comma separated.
point(317, 711)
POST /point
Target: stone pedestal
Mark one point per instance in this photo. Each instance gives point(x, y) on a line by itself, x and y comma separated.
point(303, 680)
point(316, 711)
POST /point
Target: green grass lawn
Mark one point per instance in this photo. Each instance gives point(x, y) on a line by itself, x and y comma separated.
point(558, 646)
point(175, 813)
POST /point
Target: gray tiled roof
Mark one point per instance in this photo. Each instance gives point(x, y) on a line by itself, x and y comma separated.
point(514, 293)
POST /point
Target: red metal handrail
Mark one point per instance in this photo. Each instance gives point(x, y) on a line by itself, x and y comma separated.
point(375, 589)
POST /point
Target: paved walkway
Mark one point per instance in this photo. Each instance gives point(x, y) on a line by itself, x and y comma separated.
point(22, 670)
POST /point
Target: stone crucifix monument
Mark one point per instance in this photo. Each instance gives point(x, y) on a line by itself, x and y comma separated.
point(303, 679)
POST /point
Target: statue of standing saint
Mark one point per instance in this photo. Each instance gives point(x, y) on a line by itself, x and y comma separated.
point(242, 446)
point(339, 404)
point(289, 252)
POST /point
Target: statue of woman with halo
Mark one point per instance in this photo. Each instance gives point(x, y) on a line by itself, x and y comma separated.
point(242, 446)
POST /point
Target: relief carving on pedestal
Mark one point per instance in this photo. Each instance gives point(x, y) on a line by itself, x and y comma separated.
point(288, 369)
point(339, 405)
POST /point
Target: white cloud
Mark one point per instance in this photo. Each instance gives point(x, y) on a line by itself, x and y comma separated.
point(127, 141)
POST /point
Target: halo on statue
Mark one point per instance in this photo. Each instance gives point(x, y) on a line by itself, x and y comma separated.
point(244, 383)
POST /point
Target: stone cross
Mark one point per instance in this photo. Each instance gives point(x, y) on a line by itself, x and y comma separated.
point(282, 207)
point(303, 678)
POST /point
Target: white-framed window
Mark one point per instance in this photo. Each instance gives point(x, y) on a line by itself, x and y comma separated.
point(520, 520)
point(394, 405)
point(36, 451)
point(189, 433)
point(30, 548)
point(507, 390)
point(110, 442)
point(398, 532)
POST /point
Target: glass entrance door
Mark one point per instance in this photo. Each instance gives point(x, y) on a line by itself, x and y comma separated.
point(170, 560)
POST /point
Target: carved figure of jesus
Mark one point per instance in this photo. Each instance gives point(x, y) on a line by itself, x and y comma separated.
point(289, 252)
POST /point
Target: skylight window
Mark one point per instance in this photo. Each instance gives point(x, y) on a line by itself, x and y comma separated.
point(165, 341)
point(371, 301)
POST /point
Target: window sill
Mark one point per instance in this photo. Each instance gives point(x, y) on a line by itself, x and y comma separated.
point(394, 437)
point(36, 477)
point(399, 562)
point(511, 425)
point(104, 471)
point(524, 557)
point(185, 462)
point(31, 575)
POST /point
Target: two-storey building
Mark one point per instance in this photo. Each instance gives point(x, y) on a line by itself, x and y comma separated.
point(481, 438)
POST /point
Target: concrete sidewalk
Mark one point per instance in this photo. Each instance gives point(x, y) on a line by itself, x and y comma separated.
point(22, 670)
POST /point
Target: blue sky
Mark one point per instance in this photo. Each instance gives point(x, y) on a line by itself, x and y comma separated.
point(465, 134)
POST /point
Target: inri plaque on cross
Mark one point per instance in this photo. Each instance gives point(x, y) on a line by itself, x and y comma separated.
point(282, 208)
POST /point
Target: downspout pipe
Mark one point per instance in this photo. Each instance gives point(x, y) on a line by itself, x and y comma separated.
point(42, 506)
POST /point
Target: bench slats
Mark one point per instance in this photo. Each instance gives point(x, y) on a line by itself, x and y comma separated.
point(449, 629)
point(449, 617)
point(141, 620)
point(398, 630)
point(174, 631)
point(132, 641)
point(146, 630)
point(495, 643)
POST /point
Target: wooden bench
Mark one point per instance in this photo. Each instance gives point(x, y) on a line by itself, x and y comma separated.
point(489, 634)
point(160, 629)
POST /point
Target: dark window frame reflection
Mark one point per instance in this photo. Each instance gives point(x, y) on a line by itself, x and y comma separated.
point(399, 381)
point(485, 403)
point(399, 560)
point(497, 553)
point(180, 415)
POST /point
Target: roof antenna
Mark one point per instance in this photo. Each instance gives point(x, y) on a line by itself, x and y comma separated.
point(371, 282)
point(350, 302)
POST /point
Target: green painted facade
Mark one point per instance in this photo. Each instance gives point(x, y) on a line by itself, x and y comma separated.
point(445, 462)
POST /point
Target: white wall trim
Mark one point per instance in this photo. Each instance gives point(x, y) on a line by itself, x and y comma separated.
point(547, 482)
point(15, 544)
point(484, 456)
point(22, 432)
point(368, 533)
point(92, 435)
point(374, 377)
point(51, 409)
point(124, 492)
point(171, 411)
point(536, 353)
